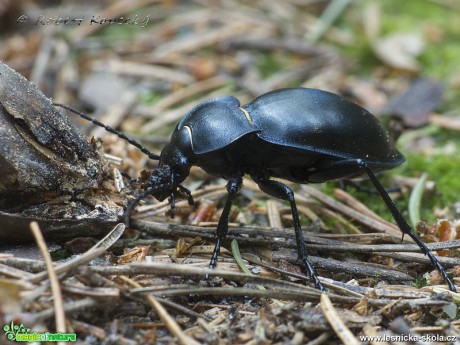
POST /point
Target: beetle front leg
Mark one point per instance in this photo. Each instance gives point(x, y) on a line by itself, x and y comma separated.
point(233, 186)
point(187, 192)
point(133, 204)
point(283, 192)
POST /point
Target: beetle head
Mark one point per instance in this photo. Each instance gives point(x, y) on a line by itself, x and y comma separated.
point(174, 165)
point(176, 159)
point(165, 180)
point(159, 181)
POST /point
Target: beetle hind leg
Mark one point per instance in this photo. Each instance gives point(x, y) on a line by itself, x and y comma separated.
point(358, 164)
point(356, 185)
point(405, 227)
point(283, 192)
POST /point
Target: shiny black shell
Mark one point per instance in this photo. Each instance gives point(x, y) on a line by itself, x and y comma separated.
point(322, 122)
point(307, 119)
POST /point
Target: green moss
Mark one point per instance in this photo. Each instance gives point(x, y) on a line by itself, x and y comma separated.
point(150, 98)
point(60, 254)
point(441, 55)
point(420, 282)
point(443, 169)
point(410, 15)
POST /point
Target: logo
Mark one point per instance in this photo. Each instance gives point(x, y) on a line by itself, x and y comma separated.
point(21, 333)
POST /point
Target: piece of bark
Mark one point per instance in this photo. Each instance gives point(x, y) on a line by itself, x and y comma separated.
point(50, 172)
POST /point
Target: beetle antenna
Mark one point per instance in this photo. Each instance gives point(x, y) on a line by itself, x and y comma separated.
point(122, 135)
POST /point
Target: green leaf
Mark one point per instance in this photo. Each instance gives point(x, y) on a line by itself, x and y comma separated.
point(415, 199)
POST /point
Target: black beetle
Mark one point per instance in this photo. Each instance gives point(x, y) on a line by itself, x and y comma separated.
point(297, 134)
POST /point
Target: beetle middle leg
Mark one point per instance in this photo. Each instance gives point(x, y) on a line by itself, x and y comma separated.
point(233, 186)
point(348, 165)
point(283, 192)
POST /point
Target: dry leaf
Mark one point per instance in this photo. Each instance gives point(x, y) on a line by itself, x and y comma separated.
point(400, 51)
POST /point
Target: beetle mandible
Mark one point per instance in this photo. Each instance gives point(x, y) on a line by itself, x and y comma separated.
point(297, 134)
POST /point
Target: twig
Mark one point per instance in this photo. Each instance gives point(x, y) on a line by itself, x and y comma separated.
point(444, 121)
point(42, 60)
point(240, 292)
point(365, 220)
point(267, 44)
point(349, 227)
point(170, 323)
point(312, 215)
point(320, 339)
point(420, 258)
point(115, 10)
point(91, 291)
point(342, 331)
point(187, 43)
point(328, 283)
point(14, 272)
point(144, 70)
point(179, 95)
point(55, 286)
point(182, 309)
point(274, 214)
point(264, 237)
point(99, 333)
point(358, 206)
point(181, 270)
point(356, 268)
point(332, 12)
point(69, 307)
point(71, 264)
point(111, 238)
point(95, 251)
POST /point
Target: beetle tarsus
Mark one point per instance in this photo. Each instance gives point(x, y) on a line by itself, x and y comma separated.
point(213, 262)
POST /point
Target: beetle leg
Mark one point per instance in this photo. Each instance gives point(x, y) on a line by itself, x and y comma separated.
point(173, 204)
point(283, 192)
point(405, 227)
point(360, 188)
point(187, 192)
point(402, 223)
point(172, 191)
point(233, 186)
point(133, 204)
